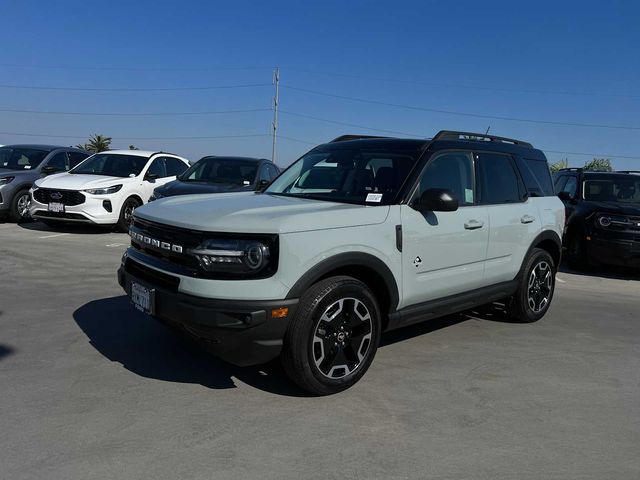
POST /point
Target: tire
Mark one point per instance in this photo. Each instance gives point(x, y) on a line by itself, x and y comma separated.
point(19, 203)
point(536, 287)
point(338, 319)
point(129, 205)
point(577, 252)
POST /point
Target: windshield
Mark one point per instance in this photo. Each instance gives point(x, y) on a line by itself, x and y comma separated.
point(21, 158)
point(355, 174)
point(222, 170)
point(112, 165)
point(621, 189)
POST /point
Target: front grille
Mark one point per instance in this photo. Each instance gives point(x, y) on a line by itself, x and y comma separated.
point(154, 277)
point(187, 239)
point(66, 197)
point(65, 216)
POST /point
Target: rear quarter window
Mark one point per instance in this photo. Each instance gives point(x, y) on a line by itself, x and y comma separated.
point(536, 176)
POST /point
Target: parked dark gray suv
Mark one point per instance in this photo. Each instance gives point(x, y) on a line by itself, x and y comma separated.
point(21, 165)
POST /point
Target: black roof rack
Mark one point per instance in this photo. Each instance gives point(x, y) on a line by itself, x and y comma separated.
point(571, 169)
point(627, 171)
point(344, 138)
point(483, 137)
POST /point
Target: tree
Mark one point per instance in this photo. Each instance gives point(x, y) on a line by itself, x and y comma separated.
point(559, 165)
point(96, 143)
point(599, 165)
point(133, 147)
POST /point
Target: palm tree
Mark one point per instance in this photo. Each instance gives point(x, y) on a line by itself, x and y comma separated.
point(96, 143)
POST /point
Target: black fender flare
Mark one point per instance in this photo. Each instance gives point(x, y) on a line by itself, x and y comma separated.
point(348, 259)
point(541, 237)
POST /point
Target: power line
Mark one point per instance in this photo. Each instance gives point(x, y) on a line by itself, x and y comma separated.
point(461, 86)
point(463, 114)
point(299, 141)
point(141, 68)
point(163, 89)
point(134, 114)
point(140, 138)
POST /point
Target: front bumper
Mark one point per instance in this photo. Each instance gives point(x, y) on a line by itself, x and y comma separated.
point(618, 252)
point(92, 210)
point(238, 331)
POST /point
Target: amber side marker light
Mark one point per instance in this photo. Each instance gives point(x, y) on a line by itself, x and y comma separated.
point(280, 312)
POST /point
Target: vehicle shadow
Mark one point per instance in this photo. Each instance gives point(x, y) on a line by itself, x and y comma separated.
point(147, 348)
point(5, 351)
point(36, 226)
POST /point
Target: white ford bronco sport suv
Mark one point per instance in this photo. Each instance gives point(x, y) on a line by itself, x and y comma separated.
point(359, 236)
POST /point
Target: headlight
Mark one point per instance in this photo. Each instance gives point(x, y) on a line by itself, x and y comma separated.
point(604, 221)
point(236, 257)
point(609, 220)
point(155, 195)
point(103, 191)
point(5, 180)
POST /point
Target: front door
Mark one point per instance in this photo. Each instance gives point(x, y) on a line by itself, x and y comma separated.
point(444, 252)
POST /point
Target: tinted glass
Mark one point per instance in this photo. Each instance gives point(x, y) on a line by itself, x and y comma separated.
point(75, 158)
point(571, 187)
point(346, 173)
point(453, 171)
point(59, 162)
point(560, 182)
point(498, 179)
point(21, 158)
point(174, 166)
point(537, 177)
point(157, 168)
point(222, 170)
point(273, 171)
point(619, 189)
point(264, 174)
point(113, 165)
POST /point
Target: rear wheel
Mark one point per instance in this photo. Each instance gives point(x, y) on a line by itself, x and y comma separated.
point(20, 206)
point(126, 214)
point(537, 285)
point(333, 337)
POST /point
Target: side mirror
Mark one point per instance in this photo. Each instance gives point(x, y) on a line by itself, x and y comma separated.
point(436, 200)
point(151, 177)
point(565, 196)
point(48, 170)
point(262, 185)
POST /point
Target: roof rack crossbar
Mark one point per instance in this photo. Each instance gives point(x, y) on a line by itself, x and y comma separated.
point(627, 171)
point(344, 138)
point(571, 169)
point(454, 135)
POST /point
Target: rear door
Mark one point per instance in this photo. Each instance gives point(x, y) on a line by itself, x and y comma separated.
point(443, 252)
point(513, 217)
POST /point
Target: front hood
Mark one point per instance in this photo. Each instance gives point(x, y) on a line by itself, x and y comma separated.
point(177, 187)
point(74, 181)
point(619, 208)
point(258, 213)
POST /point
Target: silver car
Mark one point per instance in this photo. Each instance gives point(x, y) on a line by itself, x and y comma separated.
point(22, 165)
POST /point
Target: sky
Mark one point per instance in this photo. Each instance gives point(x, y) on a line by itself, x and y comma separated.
point(404, 68)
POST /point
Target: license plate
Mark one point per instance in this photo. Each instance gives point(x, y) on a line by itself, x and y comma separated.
point(141, 297)
point(56, 207)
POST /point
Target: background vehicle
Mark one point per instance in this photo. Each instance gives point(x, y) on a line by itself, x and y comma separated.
point(104, 189)
point(355, 238)
point(21, 165)
point(221, 174)
point(602, 217)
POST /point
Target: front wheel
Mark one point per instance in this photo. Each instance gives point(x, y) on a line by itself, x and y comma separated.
point(126, 214)
point(20, 206)
point(537, 285)
point(333, 336)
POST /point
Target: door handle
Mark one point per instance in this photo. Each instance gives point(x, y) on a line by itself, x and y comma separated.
point(527, 219)
point(473, 225)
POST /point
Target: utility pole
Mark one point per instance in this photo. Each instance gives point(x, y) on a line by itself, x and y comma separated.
point(276, 99)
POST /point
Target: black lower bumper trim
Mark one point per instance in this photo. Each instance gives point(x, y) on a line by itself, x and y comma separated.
point(622, 253)
point(238, 331)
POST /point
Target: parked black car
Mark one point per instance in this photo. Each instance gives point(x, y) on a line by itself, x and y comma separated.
point(602, 217)
point(221, 174)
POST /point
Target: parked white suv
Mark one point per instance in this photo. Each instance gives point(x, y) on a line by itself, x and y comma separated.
point(357, 237)
point(105, 188)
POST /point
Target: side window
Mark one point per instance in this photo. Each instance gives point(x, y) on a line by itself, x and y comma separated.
point(499, 181)
point(571, 187)
point(453, 171)
point(560, 182)
point(174, 166)
point(157, 168)
point(75, 158)
point(537, 177)
point(273, 172)
point(59, 162)
point(264, 174)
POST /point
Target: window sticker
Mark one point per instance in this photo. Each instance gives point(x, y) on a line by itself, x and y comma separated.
point(468, 195)
point(374, 197)
point(27, 167)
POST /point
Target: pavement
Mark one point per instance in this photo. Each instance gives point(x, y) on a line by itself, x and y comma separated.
point(92, 389)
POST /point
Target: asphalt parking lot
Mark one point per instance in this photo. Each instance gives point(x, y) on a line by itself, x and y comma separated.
point(92, 389)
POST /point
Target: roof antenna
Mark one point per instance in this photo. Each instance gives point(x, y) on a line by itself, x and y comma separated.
point(488, 128)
